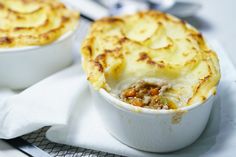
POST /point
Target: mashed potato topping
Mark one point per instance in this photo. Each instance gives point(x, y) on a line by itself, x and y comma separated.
point(34, 22)
point(151, 44)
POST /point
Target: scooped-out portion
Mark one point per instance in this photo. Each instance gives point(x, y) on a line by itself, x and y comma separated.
point(155, 45)
point(147, 94)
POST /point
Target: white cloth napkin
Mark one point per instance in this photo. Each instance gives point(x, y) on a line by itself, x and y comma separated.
point(46, 103)
point(88, 8)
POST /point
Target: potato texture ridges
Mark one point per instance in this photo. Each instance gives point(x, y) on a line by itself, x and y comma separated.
point(34, 22)
point(151, 44)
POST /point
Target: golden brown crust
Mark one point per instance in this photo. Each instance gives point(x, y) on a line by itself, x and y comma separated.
point(34, 22)
point(151, 44)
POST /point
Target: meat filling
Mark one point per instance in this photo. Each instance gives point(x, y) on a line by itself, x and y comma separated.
point(147, 95)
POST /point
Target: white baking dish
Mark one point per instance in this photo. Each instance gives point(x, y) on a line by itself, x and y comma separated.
point(22, 67)
point(152, 130)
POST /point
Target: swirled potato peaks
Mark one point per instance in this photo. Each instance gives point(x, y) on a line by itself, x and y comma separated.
point(151, 45)
point(34, 22)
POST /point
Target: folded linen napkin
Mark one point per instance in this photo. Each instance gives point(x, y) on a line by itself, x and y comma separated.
point(45, 103)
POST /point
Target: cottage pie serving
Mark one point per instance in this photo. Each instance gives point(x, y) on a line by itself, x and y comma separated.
point(150, 59)
point(34, 22)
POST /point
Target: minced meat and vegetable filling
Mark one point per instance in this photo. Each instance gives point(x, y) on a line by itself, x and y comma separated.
point(147, 95)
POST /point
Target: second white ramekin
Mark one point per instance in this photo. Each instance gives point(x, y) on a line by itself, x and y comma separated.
point(22, 67)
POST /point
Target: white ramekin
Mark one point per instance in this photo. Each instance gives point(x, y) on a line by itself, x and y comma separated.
point(22, 67)
point(152, 130)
